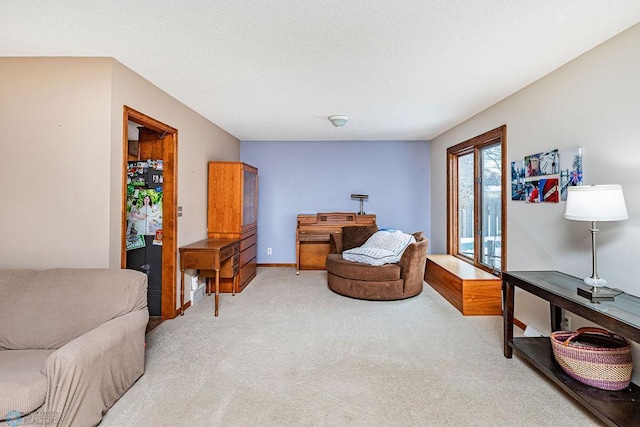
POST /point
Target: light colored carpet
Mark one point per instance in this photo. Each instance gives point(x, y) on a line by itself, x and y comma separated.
point(289, 352)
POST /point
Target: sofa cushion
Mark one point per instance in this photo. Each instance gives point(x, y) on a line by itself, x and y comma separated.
point(68, 303)
point(354, 270)
point(355, 236)
point(23, 386)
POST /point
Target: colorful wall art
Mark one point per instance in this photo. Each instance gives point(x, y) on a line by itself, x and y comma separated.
point(517, 180)
point(549, 163)
point(544, 177)
point(532, 165)
point(570, 170)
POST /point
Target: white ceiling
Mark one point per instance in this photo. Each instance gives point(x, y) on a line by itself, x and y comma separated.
point(275, 69)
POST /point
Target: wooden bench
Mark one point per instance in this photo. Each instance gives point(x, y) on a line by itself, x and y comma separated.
point(469, 289)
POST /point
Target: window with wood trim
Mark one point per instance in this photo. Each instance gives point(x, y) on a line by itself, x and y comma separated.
point(476, 208)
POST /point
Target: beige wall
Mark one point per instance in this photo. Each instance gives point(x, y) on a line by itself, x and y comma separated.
point(199, 141)
point(61, 159)
point(54, 180)
point(592, 102)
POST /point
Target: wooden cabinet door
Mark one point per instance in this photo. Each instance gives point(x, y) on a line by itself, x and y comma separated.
point(249, 197)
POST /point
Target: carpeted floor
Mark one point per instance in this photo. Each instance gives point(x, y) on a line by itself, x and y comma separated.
point(289, 352)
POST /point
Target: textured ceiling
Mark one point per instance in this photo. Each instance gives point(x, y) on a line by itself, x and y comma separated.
point(275, 69)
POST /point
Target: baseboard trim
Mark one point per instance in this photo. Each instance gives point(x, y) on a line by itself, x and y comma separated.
point(519, 324)
point(185, 306)
point(277, 265)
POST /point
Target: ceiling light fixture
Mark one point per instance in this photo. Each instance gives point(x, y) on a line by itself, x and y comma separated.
point(338, 121)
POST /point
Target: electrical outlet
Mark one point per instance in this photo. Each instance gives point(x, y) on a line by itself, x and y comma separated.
point(566, 323)
point(269, 251)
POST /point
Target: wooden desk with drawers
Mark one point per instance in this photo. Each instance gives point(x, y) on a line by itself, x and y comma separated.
point(312, 236)
point(212, 258)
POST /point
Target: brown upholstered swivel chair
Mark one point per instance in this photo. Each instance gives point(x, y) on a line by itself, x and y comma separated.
point(385, 282)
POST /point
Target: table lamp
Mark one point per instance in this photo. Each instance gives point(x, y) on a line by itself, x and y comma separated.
point(360, 197)
point(595, 203)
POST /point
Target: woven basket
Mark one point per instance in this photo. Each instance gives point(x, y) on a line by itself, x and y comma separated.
point(594, 356)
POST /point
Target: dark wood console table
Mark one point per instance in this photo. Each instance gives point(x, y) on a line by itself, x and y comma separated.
point(219, 256)
point(622, 316)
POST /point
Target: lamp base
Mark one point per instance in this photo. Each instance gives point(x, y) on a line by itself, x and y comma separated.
point(595, 281)
point(597, 294)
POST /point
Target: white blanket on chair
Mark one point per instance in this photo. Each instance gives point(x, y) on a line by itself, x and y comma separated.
point(383, 247)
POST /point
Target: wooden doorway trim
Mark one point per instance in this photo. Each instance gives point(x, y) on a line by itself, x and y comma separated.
point(169, 138)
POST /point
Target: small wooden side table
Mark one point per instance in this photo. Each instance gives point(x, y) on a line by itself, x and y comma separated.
point(209, 254)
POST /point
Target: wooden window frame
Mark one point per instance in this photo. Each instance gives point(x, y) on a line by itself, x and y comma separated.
point(474, 145)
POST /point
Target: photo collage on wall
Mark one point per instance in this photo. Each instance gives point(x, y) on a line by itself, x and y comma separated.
point(545, 177)
point(144, 203)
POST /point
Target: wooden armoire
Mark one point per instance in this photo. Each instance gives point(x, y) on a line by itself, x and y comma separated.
point(232, 213)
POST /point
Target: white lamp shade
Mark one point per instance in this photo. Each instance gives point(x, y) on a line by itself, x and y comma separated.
point(596, 203)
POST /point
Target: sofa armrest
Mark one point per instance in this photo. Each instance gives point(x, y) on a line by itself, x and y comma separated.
point(88, 375)
point(412, 264)
point(335, 241)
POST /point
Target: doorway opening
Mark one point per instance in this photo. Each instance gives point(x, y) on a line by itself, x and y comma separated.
point(149, 208)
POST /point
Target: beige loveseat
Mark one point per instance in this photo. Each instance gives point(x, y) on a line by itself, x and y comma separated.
point(72, 341)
